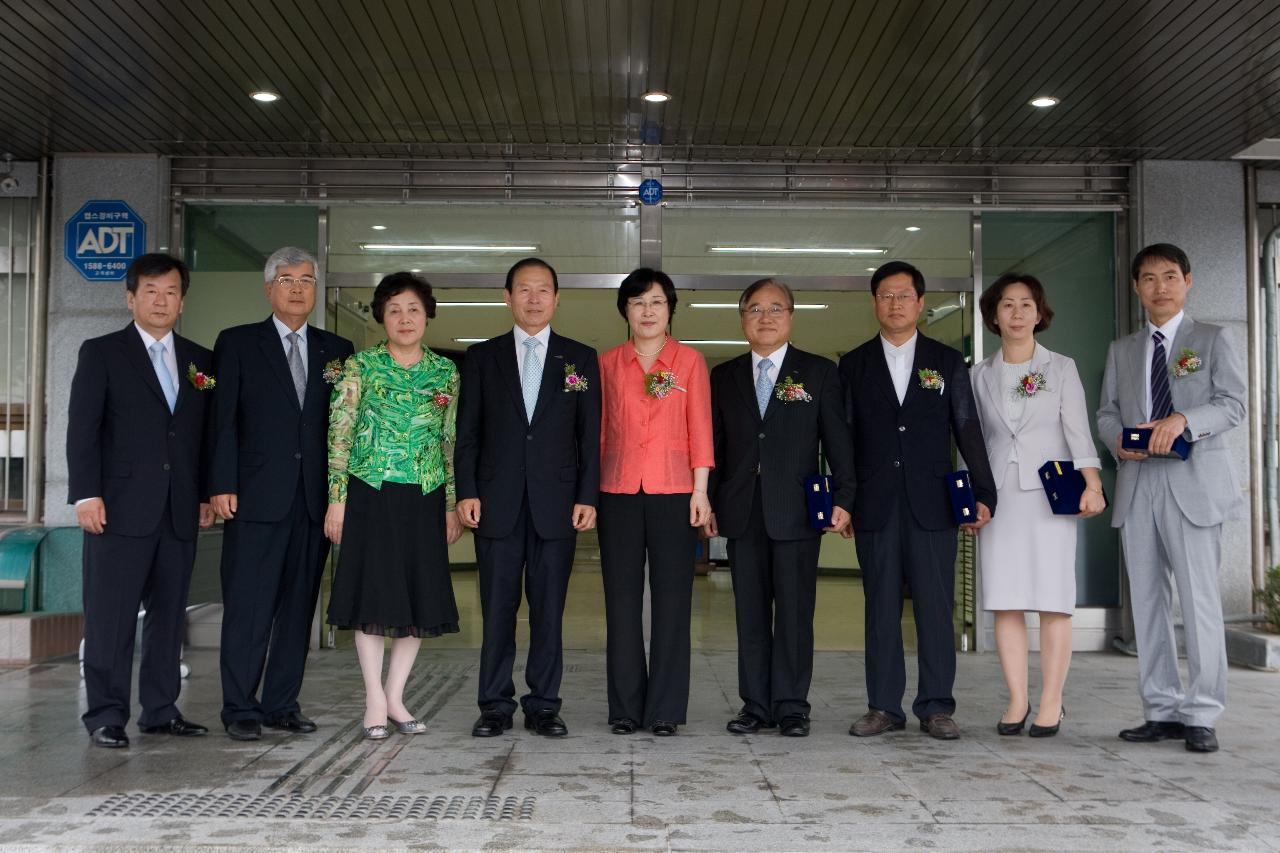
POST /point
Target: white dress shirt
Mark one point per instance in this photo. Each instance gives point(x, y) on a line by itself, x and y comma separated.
point(543, 337)
point(900, 360)
point(775, 359)
point(284, 332)
point(1169, 329)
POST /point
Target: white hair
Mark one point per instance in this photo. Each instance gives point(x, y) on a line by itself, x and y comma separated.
point(289, 256)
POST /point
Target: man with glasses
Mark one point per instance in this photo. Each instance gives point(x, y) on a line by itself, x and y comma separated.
point(906, 397)
point(775, 412)
point(268, 480)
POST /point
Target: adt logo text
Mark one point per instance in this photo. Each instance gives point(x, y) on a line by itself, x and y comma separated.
point(102, 238)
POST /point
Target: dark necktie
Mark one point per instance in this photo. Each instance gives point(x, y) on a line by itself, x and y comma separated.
point(1161, 396)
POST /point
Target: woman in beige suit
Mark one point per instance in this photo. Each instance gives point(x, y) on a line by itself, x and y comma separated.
point(1032, 408)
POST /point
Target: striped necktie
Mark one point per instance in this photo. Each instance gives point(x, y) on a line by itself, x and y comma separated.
point(1161, 394)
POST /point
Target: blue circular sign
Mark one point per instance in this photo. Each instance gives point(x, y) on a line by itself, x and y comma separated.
point(650, 191)
point(102, 238)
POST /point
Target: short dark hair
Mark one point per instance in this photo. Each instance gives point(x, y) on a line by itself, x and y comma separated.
point(756, 286)
point(990, 300)
point(532, 262)
point(1161, 252)
point(397, 283)
point(896, 268)
point(153, 264)
point(639, 281)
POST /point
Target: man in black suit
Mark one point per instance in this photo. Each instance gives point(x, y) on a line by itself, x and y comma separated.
point(528, 455)
point(268, 473)
point(906, 397)
point(774, 410)
point(134, 447)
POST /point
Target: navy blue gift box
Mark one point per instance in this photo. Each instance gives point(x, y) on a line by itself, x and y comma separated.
point(1134, 438)
point(964, 507)
point(819, 500)
point(1063, 486)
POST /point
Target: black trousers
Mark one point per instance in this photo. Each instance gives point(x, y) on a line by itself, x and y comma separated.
point(633, 527)
point(542, 567)
point(775, 586)
point(270, 581)
point(122, 574)
point(925, 559)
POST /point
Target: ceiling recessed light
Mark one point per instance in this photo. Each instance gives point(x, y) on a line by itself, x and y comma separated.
point(913, 228)
point(443, 247)
point(656, 97)
point(416, 269)
point(796, 250)
point(473, 304)
point(871, 269)
point(1044, 101)
point(799, 306)
point(378, 227)
point(264, 97)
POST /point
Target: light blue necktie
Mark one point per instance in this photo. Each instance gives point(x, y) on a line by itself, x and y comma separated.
point(531, 376)
point(162, 373)
point(763, 386)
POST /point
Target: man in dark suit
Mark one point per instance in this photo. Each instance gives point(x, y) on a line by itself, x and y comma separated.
point(906, 397)
point(773, 411)
point(268, 472)
point(527, 462)
point(134, 449)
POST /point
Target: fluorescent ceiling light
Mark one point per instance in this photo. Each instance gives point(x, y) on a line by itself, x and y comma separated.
point(796, 250)
point(474, 304)
point(416, 269)
point(264, 97)
point(871, 269)
point(799, 306)
point(1044, 101)
point(378, 227)
point(913, 228)
point(656, 97)
point(714, 343)
point(443, 247)
point(475, 340)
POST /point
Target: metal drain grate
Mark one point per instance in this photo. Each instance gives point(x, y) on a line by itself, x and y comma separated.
point(385, 807)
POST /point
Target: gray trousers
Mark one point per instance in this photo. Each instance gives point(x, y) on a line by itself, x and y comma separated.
point(1159, 542)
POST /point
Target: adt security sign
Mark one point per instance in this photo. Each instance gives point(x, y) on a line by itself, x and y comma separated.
point(103, 238)
point(650, 191)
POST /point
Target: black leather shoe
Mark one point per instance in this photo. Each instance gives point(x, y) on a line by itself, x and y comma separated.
point(1048, 731)
point(491, 724)
point(1003, 728)
point(291, 722)
point(794, 726)
point(1201, 739)
point(746, 724)
point(244, 730)
point(663, 729)
point(177, 726)
point(875, 722)
point(111, 737)
point(623, 726)
point(1154, 730)
point(545, 723)
point(940, 727)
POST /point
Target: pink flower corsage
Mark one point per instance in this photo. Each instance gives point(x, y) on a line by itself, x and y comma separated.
point(931, 380)
point(660, 384)
point(442, 400)
point(202, 381)
point(573, 380)
point(332, 372)
point(790, 391)
point(1030, 385)
point(1187, 363)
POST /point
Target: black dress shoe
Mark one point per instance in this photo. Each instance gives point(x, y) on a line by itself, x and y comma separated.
point(244, 730)
point(663, 729)
point(746, 724)
point(1201, 739)
point(940, 727)
point(794, 726)
point(291, 722)
point(1048, 731)
point(177, 726)
point(111, 737)
point(623, 726)
point(491, 724)
point(1154, 730)
point(1003, 728)
point(545, 723)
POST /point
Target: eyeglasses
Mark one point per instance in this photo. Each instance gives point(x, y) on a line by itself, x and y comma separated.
point(900, 298)
point(653, 304)
point(755, 312)
point(303, 281)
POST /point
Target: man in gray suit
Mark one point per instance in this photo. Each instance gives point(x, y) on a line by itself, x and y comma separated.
point(1180, 378)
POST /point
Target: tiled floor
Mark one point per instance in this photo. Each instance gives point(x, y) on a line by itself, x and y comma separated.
point(702, 790)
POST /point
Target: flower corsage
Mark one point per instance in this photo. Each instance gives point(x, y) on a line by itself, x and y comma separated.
point(442, 400)
point(332, 371)
point(201, 381)
point(1030, 385)
point(573, 380)
point(790, 391)
point(931, 380)
point(660, 384)
point(1187, 363)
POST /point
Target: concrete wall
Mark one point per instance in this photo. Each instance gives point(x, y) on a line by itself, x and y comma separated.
point(1200, 207)
point(81, 309)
